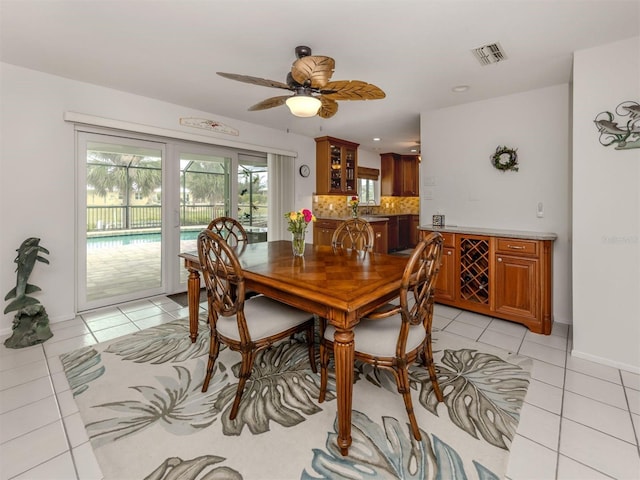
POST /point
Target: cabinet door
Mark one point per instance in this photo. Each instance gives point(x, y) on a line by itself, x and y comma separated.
point(414, 223)
point(390, 175)
point(392, 234)
point(323, 231)
point(516, 286)
point(380, 237)
point(336, 166)
point(403, 232)
point(446, 281)
point(410, 176)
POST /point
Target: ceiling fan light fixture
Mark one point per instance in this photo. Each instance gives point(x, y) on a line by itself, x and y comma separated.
point(303, 105)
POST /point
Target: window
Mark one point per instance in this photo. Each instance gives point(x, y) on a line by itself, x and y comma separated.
point(368, 189)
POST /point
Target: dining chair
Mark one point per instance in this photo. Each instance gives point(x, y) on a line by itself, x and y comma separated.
point(393, 337)
point(355, 233)
point(244, 325)
point(231, 230)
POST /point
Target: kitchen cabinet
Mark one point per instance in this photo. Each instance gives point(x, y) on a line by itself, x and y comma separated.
point(403, 232)
point(414, 223)
point(323, 231)
point(336, 166)
point(324, 228)
point(497, 274)
point(517, 265)
point(399, 175)
point(446, 281)
point(380, 234)
point(410, 175)
point(392, 233)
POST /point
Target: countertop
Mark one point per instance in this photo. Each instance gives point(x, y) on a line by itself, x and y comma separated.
point(368, 218)
point(491, 232)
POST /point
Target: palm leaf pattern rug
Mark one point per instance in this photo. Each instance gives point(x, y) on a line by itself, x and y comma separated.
point(140, 400)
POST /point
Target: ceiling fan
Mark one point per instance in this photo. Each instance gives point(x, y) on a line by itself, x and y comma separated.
point(314, 93)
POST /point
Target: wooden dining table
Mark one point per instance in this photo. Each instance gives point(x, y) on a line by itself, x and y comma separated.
point(339, 285)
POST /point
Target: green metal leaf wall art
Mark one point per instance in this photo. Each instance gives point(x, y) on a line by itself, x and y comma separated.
point(624, 132)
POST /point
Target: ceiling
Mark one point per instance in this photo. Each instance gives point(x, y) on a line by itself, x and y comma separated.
point(416, 51)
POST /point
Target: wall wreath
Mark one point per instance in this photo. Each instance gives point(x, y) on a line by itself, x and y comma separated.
point(505, 159)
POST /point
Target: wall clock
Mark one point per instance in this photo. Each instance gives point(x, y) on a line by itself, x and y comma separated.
point(305, 170)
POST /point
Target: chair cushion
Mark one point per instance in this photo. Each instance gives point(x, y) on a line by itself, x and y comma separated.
point(265, 317)
point(380, 337)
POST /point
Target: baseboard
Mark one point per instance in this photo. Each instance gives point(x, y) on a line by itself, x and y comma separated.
point(605, 361)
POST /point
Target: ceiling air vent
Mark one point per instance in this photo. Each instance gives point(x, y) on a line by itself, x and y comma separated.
point(488, 54)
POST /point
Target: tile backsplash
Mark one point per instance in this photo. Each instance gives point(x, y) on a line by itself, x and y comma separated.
point(328, 206)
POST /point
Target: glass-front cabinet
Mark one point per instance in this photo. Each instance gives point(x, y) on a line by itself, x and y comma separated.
point(337, 164)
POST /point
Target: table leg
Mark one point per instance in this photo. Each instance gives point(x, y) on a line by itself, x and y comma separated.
point(193, 297)
point(343, 351)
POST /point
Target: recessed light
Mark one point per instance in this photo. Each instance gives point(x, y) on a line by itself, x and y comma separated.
point(414, 150)
point(460, 88)
point(376, 139)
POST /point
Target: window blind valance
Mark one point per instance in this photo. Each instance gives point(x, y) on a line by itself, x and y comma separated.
point(368, 173)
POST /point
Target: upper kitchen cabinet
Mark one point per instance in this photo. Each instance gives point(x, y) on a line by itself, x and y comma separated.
point(336, 166)
point(400, 175)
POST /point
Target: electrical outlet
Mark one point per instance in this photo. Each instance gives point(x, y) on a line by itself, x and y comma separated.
point(540, 211)
point(331, 206)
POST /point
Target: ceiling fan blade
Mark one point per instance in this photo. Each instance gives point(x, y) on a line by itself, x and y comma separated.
point(328, 108)
point(269, 103)
point(263, 82)
point(352, 90)
point(313, 70)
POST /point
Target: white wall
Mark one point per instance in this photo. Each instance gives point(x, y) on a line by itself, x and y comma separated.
point(456, 171)
point(606, 211)
point(37, 169)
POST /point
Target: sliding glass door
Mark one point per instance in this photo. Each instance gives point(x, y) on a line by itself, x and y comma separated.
point(205, 193)
point(120, 219)
point(142, 202)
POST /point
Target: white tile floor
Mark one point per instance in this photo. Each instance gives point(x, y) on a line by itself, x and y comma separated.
point(581, 420)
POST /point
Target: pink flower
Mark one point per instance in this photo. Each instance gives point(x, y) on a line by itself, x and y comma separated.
point(308, 216)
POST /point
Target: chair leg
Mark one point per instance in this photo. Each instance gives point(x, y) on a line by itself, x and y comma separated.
point(428, 361)
point(214, 348)
point(402, 377)
point(324, 363)
point(312, 348)
point(245, 373)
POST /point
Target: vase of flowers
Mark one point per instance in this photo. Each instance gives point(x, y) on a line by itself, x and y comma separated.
point(353, 203)
point(298, 222)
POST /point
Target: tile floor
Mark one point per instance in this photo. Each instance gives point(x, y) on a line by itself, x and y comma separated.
point(581, 420)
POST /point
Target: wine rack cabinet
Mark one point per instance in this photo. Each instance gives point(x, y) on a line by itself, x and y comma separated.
point(474, 270)
point(501, 276)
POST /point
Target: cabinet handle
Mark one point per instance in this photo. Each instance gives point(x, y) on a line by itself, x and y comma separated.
point(515, 247)
point(378, 235)
point(448, 253)
point(499, 259)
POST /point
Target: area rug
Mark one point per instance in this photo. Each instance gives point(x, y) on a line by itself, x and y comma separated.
point(140, 400)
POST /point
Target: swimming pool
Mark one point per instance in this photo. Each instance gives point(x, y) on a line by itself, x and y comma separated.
point(255, 234)
point(110, 241)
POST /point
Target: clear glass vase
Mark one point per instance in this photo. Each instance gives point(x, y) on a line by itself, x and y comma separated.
point(297, 243)
point(354, 212)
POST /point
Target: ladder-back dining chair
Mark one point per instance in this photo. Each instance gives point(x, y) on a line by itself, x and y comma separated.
point(246, 326)
point(355, 233)
point(394, 336)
